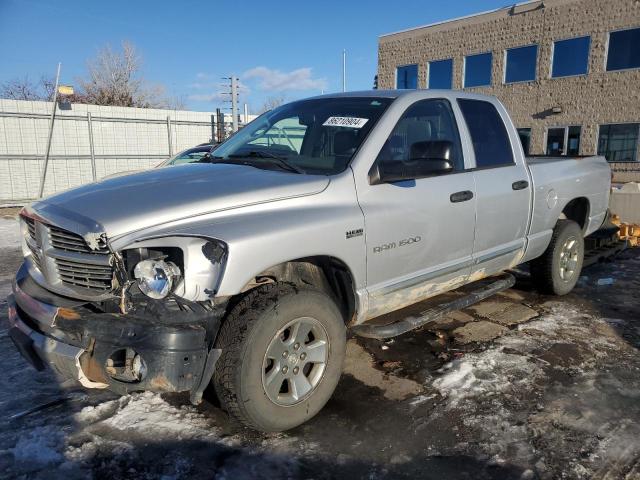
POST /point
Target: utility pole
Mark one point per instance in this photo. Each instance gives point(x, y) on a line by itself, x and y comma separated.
point(246, 113)
point(234, 102)
point(344, 70)
point(220, 136)
point(53, 117)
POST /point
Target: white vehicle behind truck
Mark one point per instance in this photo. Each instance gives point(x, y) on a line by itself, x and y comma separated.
point(248, 271)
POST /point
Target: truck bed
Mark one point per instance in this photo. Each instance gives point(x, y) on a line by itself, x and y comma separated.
point(555, 179)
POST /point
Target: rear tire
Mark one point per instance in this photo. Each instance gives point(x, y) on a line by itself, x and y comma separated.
point(558, 269)
point(282, 355)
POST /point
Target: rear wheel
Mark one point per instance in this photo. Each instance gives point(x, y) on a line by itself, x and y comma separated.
point(558, 269)
point(282, 354)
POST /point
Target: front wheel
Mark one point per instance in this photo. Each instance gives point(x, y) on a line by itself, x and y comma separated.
point(282, 354)
point(558, 269)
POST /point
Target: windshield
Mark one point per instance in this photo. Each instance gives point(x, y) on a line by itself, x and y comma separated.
point(318, 136)
point(188, 156)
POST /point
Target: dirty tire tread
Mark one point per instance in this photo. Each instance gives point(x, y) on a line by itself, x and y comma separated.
point(240, 320)
point(542, 268)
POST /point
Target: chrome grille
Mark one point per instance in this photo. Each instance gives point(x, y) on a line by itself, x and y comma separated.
point(66, 261)
point(70, 242)
point(35, 255)
point(85, 275)
point(31, 226)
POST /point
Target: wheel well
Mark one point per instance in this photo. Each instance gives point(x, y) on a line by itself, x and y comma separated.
point(578, 211)
point(325, 273)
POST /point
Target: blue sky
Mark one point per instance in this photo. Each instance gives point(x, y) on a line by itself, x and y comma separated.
point(277, 48)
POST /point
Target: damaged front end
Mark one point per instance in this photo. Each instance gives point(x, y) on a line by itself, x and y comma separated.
point(95, 315)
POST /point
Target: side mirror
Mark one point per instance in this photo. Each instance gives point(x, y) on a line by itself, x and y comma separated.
point(426, 159)
point(206, 158)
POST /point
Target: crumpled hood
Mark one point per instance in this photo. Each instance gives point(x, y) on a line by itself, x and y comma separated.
point(134, 202)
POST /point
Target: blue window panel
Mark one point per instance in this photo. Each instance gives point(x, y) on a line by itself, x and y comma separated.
point(477, 70)
point(624, 50)
point(571, 57)
point(619, 142)
point(407, 77)
point(441, 74)
point(521, 64)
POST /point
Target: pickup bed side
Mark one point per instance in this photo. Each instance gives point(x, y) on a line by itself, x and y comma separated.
point(559, 192)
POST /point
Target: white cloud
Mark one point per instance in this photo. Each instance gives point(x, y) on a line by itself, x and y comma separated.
point(278, 81)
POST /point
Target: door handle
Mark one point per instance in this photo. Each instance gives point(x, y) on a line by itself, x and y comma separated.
point(519, 185)
point(461, 196)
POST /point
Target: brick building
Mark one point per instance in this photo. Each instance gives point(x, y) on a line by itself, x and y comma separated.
point(567, 70)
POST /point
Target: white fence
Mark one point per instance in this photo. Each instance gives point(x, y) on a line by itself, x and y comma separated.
point(113, 138)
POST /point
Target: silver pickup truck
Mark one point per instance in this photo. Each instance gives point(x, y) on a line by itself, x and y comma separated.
point(247, 270)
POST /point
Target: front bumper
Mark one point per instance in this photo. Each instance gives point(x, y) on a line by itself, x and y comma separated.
point(78, 342)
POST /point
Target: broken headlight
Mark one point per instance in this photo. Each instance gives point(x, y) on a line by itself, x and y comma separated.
point(156, 278)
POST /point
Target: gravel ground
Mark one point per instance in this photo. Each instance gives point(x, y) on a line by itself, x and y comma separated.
point(521, 386)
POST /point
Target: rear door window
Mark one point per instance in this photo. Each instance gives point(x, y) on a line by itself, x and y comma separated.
point(489, 135)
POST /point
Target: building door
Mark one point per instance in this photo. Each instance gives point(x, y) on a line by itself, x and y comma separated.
point(563, 140)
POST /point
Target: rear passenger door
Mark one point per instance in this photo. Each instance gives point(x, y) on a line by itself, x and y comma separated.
point(502, 188)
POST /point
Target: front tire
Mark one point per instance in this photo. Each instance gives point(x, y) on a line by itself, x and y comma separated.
point(557, 271)
point(282, 355)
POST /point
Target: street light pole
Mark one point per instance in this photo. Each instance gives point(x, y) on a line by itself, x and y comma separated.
point(53, 117)
point(344, 70)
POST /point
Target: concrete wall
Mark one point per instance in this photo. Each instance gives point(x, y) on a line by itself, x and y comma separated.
point(123, 138)
point(600, 97)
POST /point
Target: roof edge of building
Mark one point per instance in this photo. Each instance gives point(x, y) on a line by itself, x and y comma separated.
point(457, 19)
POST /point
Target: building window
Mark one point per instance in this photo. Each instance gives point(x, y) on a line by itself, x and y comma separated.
point(564, 140)
point(624, 50)
point(407, 77)
point(489, 136)
point(525, 139)
point(440, 74)
point(570, 57)
point(477, 70)
point(521, 64)
point(619, 142)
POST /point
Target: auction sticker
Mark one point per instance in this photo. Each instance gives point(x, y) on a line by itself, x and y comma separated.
point(350, 122)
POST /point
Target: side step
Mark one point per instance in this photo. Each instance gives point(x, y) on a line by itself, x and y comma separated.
point(503, 282)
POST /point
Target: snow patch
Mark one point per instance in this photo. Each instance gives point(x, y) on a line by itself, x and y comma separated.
point(485, 374)
point(41, 445)
point(147, 413)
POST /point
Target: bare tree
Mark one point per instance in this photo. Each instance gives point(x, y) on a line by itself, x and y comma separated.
point(114, 79)
point(22, 89)
point(272, 102)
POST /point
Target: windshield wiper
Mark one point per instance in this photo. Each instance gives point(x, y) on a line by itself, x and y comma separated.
point(208, 158)
point(281, 161)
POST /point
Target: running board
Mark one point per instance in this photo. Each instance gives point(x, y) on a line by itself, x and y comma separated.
point(503, 282)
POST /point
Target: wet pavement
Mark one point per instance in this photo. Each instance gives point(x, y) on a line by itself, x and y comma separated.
point(520, 386)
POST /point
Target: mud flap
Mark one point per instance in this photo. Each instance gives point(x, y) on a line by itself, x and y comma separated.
point(212, 358)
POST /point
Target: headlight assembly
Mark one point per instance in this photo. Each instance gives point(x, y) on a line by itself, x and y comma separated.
point(156, 278)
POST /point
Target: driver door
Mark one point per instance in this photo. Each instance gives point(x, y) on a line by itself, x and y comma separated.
point(419, 233)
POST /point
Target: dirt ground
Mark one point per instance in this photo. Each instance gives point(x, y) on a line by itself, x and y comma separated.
point(520, 386)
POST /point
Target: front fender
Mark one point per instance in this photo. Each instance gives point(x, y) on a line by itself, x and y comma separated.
point(261, 236)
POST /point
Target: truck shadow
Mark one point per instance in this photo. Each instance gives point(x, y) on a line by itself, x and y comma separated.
point(358, 435)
